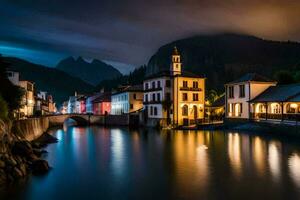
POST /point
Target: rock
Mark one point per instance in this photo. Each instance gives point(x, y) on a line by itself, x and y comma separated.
point(11, 161)
point(2, 164)
point(40, 167)
point(22, 148)
point(37, 152)
point(45, 139)
point(23, 169)
point(17, 173)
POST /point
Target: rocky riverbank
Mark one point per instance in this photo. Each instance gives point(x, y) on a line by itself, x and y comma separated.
point(20, 158)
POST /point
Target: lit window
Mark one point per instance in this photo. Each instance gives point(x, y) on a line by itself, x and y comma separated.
point(185, 110)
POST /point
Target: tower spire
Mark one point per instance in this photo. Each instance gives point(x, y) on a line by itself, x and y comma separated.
point(176, 62)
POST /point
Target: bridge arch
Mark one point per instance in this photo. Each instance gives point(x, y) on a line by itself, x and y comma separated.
point(79, 121)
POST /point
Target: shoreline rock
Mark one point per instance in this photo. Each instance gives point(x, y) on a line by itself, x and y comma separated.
point(23, 158)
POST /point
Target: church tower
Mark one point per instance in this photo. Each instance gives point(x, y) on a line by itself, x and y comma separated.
point(176, 62)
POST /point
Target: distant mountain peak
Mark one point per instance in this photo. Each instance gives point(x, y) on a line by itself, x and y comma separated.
point(92, 73)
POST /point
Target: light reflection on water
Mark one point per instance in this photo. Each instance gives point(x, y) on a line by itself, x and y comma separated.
point(117, 163)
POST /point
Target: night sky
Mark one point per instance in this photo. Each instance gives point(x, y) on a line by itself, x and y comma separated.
point(128, 32)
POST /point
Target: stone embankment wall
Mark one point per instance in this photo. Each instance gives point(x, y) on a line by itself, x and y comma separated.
point(31, 129)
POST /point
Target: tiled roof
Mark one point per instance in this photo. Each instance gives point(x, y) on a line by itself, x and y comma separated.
point(134, 88)
point(251, 77)
point(103, 97)
point(280, 93)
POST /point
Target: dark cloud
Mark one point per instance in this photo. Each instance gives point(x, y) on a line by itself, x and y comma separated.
point(130, 31)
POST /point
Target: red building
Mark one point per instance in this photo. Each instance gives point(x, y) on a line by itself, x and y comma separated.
point(102, 104)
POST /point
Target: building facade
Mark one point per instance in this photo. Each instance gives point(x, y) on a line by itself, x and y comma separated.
point(240, 92)
point(127, 100)
point(174, 97)
point(280, 102)
point(28, 100)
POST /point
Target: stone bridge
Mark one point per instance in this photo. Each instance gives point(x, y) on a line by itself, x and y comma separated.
point(81, 119)
point(33, 128)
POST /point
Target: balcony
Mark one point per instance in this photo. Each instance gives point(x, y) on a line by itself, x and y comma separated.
point(153, 89)
point(190, 89)
point(152, 102)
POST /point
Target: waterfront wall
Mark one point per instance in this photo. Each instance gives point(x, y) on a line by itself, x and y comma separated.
point(277, 128)
point(31, 129)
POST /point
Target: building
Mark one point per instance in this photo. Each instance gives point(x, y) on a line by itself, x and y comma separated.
point(280, 102)
point(80, 104)
point(240, 92)
point(14, 77)
point(28, 101)
point(99, 103)
point(44, 104)
point(128, 99)
point(174, 96)
point(102, 104)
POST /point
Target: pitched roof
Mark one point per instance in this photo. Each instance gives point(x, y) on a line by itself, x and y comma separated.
point(280, 93)
point(252, 77)
point(103, 97)
point(134, 88)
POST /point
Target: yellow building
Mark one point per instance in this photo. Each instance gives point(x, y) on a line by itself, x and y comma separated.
point(188, 94)
point(184, 91)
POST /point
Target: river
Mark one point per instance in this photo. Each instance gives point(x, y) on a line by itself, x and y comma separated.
point(118, 163)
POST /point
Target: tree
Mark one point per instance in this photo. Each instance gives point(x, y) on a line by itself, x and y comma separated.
point(284, 77)
point(297, 77)
point(12, 94)
point(3, 109)
point(212, 96)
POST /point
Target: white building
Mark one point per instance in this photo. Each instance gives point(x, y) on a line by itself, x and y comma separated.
point(240, 92)
point(129, 99)
point(14, 77)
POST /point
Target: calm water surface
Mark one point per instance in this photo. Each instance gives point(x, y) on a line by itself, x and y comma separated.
point(118, 163)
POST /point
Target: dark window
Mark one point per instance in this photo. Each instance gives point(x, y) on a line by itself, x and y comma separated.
point(158, 84)
point(155, 111)
point(195, 97)
point(146, 86)
point(158, 96)
point(168, 96)
point(134, 96)
point(153, 85)
point(195, 84)
point(168, 83)
point(146, 97)
point(241, 106)
point(242, 90)
point(151, 110)
point(185, 110)
point(184, 96)
point(185, 84)
point(153, 97)
point(131, 106)
point(230, 92)
point(9, 74)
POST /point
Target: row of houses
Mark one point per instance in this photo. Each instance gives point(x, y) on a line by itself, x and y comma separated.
point(33, 102)
point(259, 98)
point(168, 97)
